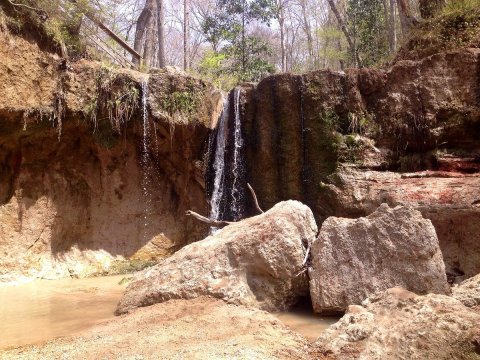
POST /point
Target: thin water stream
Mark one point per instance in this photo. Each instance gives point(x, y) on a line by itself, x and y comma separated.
point(42, 310)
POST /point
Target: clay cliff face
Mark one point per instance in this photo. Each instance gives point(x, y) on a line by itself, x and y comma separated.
point(78, 194)
point(343, 143)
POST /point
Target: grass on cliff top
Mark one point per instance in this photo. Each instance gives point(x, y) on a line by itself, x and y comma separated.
point(457, 26)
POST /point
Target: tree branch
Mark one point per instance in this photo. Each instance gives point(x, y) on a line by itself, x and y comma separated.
point(255, 200)
point(206, 220)
point(40, 12)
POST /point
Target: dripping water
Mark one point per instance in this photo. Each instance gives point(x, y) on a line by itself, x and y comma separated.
point(145, 159)
point(237, 160)
point(226, 163)
point(303, 133)
point(219, 164)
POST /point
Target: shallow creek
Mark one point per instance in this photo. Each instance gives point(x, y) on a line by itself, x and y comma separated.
point(44, 309)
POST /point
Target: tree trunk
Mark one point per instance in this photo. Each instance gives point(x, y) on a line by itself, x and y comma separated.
point(306, 26)
point(407, 20)
point(392, 29)
point(244, 58)
point(281, 22)
point(148, 53)
point(186, 35)
point(343, 27)
point(161, 33)
point(142, 23)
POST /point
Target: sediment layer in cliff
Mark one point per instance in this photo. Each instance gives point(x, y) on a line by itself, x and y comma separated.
point(85, 181)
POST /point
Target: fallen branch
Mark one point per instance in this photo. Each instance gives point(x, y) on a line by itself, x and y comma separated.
point(206, 220)
point(220, 223)
point(255, 200)
point(40, 12)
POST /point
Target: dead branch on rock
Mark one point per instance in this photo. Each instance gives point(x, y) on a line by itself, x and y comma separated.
point(255, 200)
point(206, 220)
point(220, 223)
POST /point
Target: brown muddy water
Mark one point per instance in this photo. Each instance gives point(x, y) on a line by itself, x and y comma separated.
point(46, 309)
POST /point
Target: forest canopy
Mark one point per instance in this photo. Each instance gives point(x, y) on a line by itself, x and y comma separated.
point(231, 41)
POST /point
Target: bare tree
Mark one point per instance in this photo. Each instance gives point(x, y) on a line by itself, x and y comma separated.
point(280, 17)
point(407, 20)
point(161, 33)
point(186, 33)
point(392, 29)
point(143, 22)
point(343, 27)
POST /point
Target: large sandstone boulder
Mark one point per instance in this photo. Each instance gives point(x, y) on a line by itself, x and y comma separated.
point(448, 197)
point(468, 292)
point(254, 262)
point(397, 324)
point(355, 258)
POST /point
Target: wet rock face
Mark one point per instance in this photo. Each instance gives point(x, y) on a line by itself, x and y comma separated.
point(356, 258)
point(397, 324)
point(254, 262)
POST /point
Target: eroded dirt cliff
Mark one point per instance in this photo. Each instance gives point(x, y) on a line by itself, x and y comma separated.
point(78, 192)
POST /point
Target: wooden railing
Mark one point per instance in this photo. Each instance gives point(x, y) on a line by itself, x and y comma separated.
point(98, 35)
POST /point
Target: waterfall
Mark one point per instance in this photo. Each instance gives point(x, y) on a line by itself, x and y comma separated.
point(219, 164)
point(237, 160)
point(226, 163)
point(145, 158)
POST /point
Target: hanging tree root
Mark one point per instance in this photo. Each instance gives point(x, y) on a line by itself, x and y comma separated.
point(220, 223)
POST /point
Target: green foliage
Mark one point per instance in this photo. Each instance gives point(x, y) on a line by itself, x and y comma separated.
point(247, 59)
point(116, 98)
point(240, 55)
point(367, 25)
point(332, 37)
point(212, 68)
point(457, 25)
point(184, 102)
point(49, 16)
point(461, 5)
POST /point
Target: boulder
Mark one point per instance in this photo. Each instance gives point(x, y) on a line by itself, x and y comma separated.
point(468, 292)
point(397, 324)
point(356, 258)
point(254, 262)
point(448, 197)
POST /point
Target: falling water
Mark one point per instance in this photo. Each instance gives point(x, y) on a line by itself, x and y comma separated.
point(227, 164)
point(237, 160)
point(145, 157)
point(219, 164)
